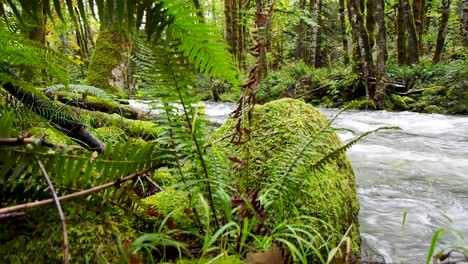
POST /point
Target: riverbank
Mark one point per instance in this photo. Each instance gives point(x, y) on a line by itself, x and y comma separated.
point(423, 88)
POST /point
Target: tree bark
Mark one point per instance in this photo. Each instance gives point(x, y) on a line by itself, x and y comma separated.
point(364, 46)
point(413, 46)
point(380, 90)
point(314, 6)
point(402, 51)
point(442, 30)
point(464, 20)
point(419, 11)
point(302, 34)
point(370, 22)
point(344, 37)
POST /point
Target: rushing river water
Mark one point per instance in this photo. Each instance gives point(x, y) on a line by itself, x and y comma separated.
point(420, 170)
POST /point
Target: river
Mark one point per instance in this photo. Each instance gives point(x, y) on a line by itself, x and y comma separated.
point(420, 171)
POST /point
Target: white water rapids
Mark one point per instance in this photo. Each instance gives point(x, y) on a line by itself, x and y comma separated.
point(421, 170)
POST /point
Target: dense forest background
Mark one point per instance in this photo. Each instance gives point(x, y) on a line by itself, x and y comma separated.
point(142, 188)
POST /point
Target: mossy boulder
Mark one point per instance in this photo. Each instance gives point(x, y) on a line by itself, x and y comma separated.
point(328, 195)
point(433, 109)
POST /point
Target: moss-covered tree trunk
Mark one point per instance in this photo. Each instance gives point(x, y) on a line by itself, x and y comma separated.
point(362, 37)
point(419, 11)
point(464, 20)
point(445, 7)
point(402, 51)
point(380, 89)
point(370, 22)
point(344, 37)
point(108, 68)
point(413, 46)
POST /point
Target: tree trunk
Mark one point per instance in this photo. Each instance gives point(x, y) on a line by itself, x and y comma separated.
point(413, 46)
point(380, 89)
point(364, 46)
point(402, 51)
point(419, 11)
point(344, 37)
point(302, 34)
point(370, 22)
point(314, 6)
point(442, 30)
point(464, 20)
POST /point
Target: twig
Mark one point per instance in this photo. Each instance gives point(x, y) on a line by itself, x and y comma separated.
point(11, 215)
point(66, 255)
point(30, 140)
point(72, 195)
point(220, 139)
point(150, 181)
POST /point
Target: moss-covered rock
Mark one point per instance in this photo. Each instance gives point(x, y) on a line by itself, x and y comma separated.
point(398, 102)
point(433, 109)
point(328, 195)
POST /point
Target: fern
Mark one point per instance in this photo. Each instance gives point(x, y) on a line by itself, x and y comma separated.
point(18, 52)
point(74, 170)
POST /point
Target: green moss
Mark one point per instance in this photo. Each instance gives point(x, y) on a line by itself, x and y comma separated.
point(398, 102)
point(435, 90)
point(174, 203)
point(433, 109)
point(92, 227)
point(110, 134)
point(107, 56)
point(133, 128)
point(52, 135)
point(328, 195)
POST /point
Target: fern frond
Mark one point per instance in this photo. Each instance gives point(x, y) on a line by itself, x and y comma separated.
point(200, 42)
point(18, 52)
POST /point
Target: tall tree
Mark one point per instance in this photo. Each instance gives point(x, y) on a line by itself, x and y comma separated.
point(445, 8)
point(370, 21)
point(364, 46)
point(380, 89)
point(413, 46)
point(314, 12)
point(301, 44)
point(419, 11)
point(344, 36)
point(464, 20)
point(402, 50)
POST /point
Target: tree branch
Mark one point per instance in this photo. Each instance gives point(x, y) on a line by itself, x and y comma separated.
point(66, 255)
point(30, 140)
point(72, 195)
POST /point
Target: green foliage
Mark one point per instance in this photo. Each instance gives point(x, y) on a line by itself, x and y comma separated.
point(18, 52)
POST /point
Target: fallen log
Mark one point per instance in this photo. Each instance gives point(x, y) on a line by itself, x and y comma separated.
point(105, 107)
point(61, 119)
